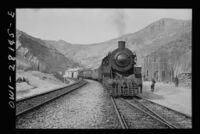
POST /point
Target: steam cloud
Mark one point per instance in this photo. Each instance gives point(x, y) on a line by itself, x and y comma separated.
point(118, 19)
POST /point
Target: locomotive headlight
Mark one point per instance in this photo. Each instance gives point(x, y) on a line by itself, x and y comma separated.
point(122, 59)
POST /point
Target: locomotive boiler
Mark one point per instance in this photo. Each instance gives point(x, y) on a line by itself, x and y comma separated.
point(119, 73)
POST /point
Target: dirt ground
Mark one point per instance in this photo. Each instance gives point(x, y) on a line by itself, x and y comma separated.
point(178, 98)
point(38, 83)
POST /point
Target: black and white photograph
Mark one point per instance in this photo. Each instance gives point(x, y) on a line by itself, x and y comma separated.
point(103, 68)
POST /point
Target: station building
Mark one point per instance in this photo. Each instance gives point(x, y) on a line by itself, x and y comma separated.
point(71, 73)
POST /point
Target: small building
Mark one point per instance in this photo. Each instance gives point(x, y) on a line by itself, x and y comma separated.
point(71, 73)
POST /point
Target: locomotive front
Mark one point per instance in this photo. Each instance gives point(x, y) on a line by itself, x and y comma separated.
point(122, 60)
point(119, 72)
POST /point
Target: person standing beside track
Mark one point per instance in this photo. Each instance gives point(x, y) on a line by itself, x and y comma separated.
point(153, 84)
point(176, 81)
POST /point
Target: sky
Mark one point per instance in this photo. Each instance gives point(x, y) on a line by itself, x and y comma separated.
point(86, 26)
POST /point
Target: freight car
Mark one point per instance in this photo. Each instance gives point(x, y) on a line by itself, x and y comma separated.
point(86, 73)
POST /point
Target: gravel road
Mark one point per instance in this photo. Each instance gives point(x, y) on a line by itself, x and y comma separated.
point(87, 107)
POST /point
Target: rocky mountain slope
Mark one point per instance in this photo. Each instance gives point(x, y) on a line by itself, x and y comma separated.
point(35, 54)
point(171, 60)
point(143, 42)
point(166, 40)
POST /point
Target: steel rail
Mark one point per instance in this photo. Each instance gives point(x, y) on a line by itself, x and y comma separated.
point(25, 110)
point(41, 94)
point(157, 115)
point(120, 117)
point(186, 115)
point(153, 116)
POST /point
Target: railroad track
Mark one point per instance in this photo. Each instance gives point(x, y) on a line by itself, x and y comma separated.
point(126, 122)
point(165, 118)
point(151, 113)
point(175, 118)
point(28, 104)
point(121, 119)
point(139, 98)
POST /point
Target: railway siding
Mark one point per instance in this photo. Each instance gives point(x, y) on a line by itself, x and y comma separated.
point(136, 119)
point(174, 117)
point(41, 91)
point(141, 113)
point(87, 107)
point(24, 105)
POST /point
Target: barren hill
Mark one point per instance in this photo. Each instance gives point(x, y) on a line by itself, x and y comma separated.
point(143, 42)
point(166, 40)
point(35, 54)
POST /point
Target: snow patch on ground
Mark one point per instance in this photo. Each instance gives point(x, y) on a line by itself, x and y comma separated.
point(38, 83)
point(23, 87)
point(177, 98)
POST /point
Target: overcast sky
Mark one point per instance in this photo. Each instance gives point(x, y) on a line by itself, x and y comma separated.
point(87, 26)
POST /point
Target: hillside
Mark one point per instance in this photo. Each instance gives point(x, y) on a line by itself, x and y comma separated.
point(166, 41)
point(170, 60)
point(35, 54)
point(143, 42)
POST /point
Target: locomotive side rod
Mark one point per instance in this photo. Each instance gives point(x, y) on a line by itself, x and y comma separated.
point(120, 117)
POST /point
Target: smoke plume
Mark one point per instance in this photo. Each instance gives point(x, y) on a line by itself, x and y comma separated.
point(118, 19)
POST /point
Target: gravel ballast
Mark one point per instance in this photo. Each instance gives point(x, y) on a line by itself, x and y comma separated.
point(29, 103)
point(87, 107)
point(136, 119)
point(177, 119)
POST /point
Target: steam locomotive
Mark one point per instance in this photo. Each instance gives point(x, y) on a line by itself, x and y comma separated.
point(118, 72)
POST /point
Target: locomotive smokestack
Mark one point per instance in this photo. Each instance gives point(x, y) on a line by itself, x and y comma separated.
point(121, 44)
